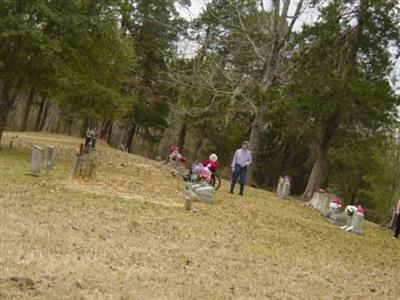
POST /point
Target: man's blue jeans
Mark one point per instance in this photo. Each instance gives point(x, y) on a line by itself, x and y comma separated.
point(239, 173)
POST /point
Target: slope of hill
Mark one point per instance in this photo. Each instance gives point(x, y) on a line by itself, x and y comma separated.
point(126, 235)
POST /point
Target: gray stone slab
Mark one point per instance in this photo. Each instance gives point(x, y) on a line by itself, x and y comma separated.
point(35, 165)
point(49, 160)
point(283, 190)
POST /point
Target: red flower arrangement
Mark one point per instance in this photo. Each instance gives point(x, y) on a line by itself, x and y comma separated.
point(337, 200)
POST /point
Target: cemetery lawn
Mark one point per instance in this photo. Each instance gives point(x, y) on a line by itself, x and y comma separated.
point(127, 236)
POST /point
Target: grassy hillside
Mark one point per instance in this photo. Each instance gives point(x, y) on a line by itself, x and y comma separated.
point(127, 236)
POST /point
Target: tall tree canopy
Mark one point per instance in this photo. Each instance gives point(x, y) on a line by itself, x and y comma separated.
point(340, 78)
point(72, 50)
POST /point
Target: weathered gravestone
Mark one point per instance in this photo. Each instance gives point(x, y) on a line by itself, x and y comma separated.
point(320, 201)
point(283, 190)
point(177, 165)
point(36, 160)
point(348, 223)
point(49, 161)
point(340, 219)
point(200, 192)
point(181, 170)
point(331, 212)
point(355, 225)
point(85, 163)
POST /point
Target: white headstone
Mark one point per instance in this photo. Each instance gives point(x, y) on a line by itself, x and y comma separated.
point(36, 161)
point(321, 201)
point(341, 219)
point(50, 154)
point(283, 190)
point(181, 170)
point(356, 221)
point(200, 192)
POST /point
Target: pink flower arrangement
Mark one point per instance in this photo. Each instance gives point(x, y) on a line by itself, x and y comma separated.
point(287, 178)
point(337, 200)
point(360, 209)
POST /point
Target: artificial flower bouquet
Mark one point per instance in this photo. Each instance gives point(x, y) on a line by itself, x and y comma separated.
point(351, 209)
point(336, 203)
point(286, 179)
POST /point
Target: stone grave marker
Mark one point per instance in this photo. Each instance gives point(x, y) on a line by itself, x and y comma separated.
point(331, 212)
point(205, 194)
point(320, 201)
point(200, 192)
point(36, 161)
point(85, 163)
point(355, 225)
point(283, 190)
point(49, 161)
point(340, 219)
point(181, 170)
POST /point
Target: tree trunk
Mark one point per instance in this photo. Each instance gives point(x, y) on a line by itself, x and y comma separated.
point(109, 132)
point(390, 219)
point(52, 117)
point(105, 129)
point(348, 68)
point(4, 110)
point(27, 110)
point(69, 123)
point(44, 116)
point(200, 142)
point(39, 115)
point(270, 78)
point(130, 135)
point(6, 103)
point(182, 137)
point(255, 141)
point(319, 166)
point(84, 127)
point(170, 135)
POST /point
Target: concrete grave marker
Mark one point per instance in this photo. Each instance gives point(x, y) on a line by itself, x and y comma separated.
point(181, 170)
point(283, 190)
point(355, 223)
point(85, 163)
point(200, 192)
point(49, 161)
point(36, 159)
point(340, 219)
point(320, 201)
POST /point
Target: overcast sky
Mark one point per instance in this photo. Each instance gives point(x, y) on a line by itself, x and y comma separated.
point(309, 16)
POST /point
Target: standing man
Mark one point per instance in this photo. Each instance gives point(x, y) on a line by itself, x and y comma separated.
point(241, 161)
point(397, 226)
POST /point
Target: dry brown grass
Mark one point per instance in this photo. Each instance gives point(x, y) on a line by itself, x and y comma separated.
point(127, 236)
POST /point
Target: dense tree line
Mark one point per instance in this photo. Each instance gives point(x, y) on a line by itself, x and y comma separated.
point(317, 104)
